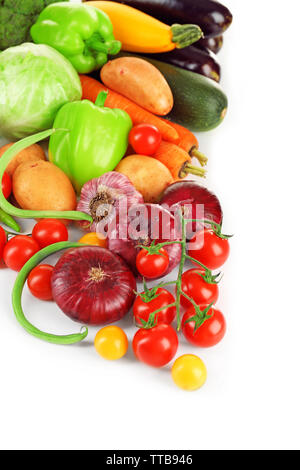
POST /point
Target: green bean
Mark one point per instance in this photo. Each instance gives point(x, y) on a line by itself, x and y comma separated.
point(25, 214)
point(7, 220)
point(17, 295)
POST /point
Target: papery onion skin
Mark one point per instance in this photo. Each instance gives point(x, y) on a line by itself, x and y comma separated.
point(117, 184)
point(190, 194)
point(128, 249)
point(92, 285)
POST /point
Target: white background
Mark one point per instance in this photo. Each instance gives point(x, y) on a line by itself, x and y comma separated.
point(56, 397)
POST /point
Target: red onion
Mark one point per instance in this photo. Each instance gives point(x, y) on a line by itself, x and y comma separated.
point(145, 223)
point(93, 286)
point(198, 201)
point(103, 198)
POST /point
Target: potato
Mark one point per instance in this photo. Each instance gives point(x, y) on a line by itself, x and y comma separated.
point(149, 176)
point(30, 154)
point(43, 186)
point(139, 81)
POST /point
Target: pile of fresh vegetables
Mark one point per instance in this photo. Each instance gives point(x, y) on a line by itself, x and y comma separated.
point(118, 89)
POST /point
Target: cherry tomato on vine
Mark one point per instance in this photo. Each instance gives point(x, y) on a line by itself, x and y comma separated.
point(189, 372)
point(210, 249)
point(39, 282)
point(3, 240)
point(201, 291)
point(6, 185)
point(210, 333)
point(145, 139)
point(152, 265)
point(49, 231)
point(18, 250)
point(155, 346)
point(143, 308)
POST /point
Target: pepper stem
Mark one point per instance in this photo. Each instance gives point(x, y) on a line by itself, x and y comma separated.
point(96, 43)
point(185, 34)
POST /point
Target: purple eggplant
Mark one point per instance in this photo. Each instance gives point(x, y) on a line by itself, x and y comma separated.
point(212, 17)
point(192, 59)
point(212, 44)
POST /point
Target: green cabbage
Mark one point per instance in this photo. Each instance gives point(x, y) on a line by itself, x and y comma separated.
point(35, 81)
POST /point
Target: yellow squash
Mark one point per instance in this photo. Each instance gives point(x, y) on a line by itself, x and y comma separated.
point(139, 32)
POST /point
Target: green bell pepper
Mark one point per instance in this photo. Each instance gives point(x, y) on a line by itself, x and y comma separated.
point(97, 141)
point(82, 33)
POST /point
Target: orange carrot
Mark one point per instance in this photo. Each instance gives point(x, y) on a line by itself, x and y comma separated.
point(188, 142)
point(91, 89)
point(177, 161)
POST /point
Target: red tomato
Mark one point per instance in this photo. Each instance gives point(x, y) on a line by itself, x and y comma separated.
point(49, 231)
point(142, 308)
point(209, 249)
point(210, 333)
point(193, 284)
point(6, 185)
point(152, 266)
point(155, 346)
point(39, 282)
point(3, 240)
point(18, 250)
point(145, 139)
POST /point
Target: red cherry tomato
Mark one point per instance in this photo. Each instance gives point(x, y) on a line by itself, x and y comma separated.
point(39, 282)
point(210, 333)
point(49, 231)
point(3, 240)
point(152, 266)
point(142, 308)
point(145, 139)
point(209, 249)
point(18, 251)
point(6, 185)
point(155, 346)
point(193, 284)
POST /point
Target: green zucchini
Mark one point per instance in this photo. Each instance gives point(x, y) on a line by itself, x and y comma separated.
point(199, 103)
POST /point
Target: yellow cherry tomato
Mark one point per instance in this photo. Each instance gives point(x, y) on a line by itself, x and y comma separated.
point(94, 238)
point(189, 372)
point(111, 343)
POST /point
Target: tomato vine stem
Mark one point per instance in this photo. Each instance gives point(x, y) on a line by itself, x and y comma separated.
point(215, 227)
point(178, 282)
